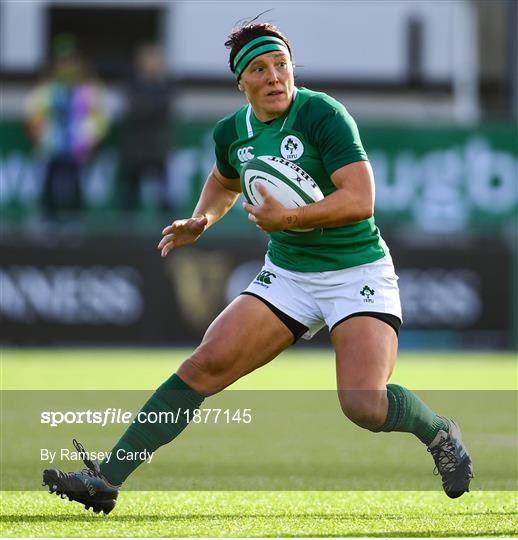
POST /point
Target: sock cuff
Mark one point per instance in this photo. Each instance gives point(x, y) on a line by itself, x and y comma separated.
point(167, 392)
point(396, 408)
point(175, 383)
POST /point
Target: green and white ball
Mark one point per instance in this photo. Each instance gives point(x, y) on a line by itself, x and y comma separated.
point(291, 185)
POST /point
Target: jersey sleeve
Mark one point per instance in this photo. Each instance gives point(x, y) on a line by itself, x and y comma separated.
point(223, 138)
point(336, 136)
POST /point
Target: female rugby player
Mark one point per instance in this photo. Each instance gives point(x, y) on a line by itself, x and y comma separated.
point(340, 275)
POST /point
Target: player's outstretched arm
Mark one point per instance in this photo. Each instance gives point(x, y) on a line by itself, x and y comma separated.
point(218, 196)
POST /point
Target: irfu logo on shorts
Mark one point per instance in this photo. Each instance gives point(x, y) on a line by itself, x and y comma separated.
point(367, 292)
point(264, 278)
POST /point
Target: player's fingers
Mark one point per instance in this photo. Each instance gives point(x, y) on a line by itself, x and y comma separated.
point(263, 191)
point(252, 218)
point(174, 226)
point(167, 238)
point(166, 249)
point(249, 208)
point(161, 243)
point(178, 225)
point(266, 195)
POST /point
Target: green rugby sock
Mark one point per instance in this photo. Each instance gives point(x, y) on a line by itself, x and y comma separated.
point(173, 397)
point(407, 413)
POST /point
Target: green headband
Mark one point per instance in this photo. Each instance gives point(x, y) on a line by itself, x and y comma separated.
point(254, 48)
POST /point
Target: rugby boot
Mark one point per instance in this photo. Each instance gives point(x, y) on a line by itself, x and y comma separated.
point(87, 487)
point(452, 460)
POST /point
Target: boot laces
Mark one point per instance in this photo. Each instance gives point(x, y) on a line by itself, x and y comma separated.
point(92, 465)
point(444, 456)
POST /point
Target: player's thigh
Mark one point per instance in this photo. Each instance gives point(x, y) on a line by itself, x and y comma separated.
point(366, 350)
point(245, 336)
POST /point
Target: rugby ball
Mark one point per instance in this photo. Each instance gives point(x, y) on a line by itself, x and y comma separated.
point(291, 185)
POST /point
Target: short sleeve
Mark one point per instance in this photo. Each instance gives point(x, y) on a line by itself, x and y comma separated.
point(336, 136)
point(222, 141)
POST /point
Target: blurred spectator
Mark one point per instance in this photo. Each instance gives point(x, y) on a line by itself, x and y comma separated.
point(66, 121)
point(145, 135)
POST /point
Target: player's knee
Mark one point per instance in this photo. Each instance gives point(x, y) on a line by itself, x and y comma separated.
point(363, 407)
point(204, 372)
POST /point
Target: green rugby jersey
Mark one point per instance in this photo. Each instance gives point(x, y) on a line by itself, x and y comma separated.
point(318, 134)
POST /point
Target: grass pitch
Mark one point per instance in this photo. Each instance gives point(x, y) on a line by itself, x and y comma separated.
point(270, 514)
point(258, 513)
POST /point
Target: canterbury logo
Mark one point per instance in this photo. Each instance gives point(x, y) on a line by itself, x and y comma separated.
point(245, 154)
point(265, 277)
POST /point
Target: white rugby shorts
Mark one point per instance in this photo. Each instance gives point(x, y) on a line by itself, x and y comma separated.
point(318, 299)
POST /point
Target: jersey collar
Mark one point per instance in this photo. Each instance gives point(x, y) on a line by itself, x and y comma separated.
point(253, 124)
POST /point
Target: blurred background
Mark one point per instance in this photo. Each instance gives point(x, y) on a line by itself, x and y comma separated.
point(107, 110)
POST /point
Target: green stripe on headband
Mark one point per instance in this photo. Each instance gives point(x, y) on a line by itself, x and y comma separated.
point(254, 48)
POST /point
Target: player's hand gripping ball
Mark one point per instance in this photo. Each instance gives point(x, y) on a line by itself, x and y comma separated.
point(285, 181)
